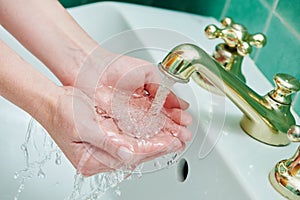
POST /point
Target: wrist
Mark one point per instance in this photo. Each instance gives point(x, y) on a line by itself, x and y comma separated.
point(92, 69)
point(65, 43)
point(44, 107)
point(71, 64)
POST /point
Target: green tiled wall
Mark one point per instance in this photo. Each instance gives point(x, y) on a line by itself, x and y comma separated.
point(278, 19)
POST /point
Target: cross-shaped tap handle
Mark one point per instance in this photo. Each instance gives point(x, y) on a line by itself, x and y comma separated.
point(236, 36)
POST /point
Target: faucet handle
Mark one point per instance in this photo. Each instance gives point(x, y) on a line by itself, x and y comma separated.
point(294, 133)
point(284, 177)
point(285, 86)
point(236, 36)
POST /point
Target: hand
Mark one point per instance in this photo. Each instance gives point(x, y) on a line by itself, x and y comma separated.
point(124, 73)
point(93, 142)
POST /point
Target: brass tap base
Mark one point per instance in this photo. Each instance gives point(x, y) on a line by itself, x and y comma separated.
point(263, 133)
point(280, 184)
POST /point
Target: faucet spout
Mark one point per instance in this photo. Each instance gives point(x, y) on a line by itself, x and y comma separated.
point(266, 118)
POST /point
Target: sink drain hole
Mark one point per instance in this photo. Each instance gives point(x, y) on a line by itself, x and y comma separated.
point(182, 170)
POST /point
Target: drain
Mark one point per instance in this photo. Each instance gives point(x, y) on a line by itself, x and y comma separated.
point(182, 170)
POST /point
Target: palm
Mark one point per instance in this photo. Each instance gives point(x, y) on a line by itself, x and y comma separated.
point(87, 128)
point(91, 139)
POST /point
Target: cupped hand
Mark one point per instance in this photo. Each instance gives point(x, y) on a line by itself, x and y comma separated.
point(121, 72)
point(89, 135)
point(86, 126)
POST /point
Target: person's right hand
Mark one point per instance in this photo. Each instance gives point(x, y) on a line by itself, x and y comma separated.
point(93, 142)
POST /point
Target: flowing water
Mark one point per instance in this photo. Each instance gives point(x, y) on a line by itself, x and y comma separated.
point(143, 123)
point(38, 149)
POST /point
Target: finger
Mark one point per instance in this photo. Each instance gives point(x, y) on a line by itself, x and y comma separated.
point(179, 116)
point(98, 161)
point(160, 154)
point(93, 167)
point(177, 130)
point(158, 145)
point(104, 134)
point(172, 101)
point(117, 146)
point(183, 134)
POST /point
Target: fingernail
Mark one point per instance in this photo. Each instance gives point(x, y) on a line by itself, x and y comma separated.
point(125, 154)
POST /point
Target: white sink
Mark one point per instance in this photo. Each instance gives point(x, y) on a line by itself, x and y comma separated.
point(230, 164)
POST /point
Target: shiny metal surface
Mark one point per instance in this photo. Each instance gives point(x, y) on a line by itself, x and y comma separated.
point(238, 42)
point(285, 176)
point(266, 118)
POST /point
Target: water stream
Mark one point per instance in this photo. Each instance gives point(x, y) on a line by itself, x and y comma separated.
point(141, 122)
point(39, 148)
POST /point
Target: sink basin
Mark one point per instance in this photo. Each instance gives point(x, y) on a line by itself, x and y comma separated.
point(221, 162)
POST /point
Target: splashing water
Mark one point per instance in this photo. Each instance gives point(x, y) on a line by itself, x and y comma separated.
point(39, 148)
point(94, 187)
point(142, 122)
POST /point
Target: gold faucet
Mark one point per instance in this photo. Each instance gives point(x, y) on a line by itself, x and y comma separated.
point(266, 118)
point(285, 176)
point(238, 43)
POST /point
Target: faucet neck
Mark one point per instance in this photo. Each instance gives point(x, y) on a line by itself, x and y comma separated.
point(266, 118)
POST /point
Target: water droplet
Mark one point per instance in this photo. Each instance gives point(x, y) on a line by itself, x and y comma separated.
point(23, 147)
point(157, 164)
point(170, 162)
point(174, 156)
point(117, 192)
point(16, 175)
point(58, 161)
point(58, 158)
point(21, 187)
point(139, 174)
point(41, 174)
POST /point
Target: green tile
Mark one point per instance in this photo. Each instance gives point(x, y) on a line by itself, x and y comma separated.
point(172, 4)
point(290, 12)
point(252, 14)
point(281, 54)
point(72, 3)
point(212, 8)
point(202, 7)
point(270, 2)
